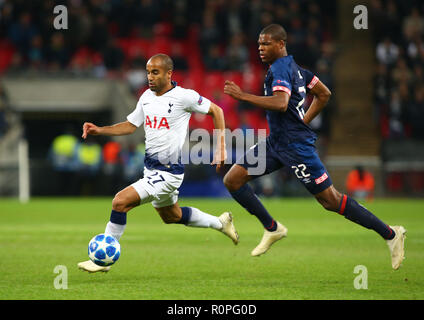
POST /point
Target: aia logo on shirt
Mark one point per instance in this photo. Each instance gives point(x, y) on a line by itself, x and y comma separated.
point(156, 123)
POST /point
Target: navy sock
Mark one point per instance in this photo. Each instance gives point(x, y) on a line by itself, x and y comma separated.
point(353, 211)
point(186, 214)
point(118, 217)
point(248, 200)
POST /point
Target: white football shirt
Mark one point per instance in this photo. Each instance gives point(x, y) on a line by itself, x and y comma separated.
point(165, 120)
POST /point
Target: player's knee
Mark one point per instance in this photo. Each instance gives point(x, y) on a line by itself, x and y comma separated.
point(118, 203)
point(230, 183)
point(236, 178)
point(226, 182)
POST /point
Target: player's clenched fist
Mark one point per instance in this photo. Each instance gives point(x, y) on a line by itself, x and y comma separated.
point(232, 89)
point(89, 128)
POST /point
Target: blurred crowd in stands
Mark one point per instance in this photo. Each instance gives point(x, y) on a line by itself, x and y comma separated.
point(92, 168)
point(398, 29)
point(209, 41)
point(4, 112)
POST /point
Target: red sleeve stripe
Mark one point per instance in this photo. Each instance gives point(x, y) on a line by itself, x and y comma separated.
point(313, 82)
point(282, 88)
point(343, 204)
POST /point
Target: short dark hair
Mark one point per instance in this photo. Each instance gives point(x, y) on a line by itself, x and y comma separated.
point(166, 60)
point(276, 31)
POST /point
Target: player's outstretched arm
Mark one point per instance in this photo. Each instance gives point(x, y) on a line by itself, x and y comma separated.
point(278, 102)
point(219, 123)
point(119, 129)
point(321, 96)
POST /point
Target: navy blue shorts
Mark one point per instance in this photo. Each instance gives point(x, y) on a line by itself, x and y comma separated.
point(301, 157)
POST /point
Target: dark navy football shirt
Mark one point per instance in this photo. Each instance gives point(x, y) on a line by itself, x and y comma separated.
point(287, 127)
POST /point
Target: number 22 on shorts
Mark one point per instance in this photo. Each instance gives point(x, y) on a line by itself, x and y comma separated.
point(299, 171)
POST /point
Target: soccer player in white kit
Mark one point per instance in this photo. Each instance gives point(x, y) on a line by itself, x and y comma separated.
point(164, 110)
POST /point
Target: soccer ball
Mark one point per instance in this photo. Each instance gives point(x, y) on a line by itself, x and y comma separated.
point(104, 250)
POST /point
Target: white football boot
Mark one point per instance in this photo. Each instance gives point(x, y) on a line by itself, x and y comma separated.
point(269, 238)
point(228, 227)
point(396, 246)
point(91, 267)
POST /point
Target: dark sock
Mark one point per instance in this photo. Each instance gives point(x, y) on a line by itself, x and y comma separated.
point(185, 215)
point(355, 212)
point(118, 217)
point(248, 200)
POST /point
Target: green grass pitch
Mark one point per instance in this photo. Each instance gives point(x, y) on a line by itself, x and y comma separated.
point(167, 262)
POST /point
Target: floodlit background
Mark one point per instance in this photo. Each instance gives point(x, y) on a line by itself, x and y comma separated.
point(52, 81)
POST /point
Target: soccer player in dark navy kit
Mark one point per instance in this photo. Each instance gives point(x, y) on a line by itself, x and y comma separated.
point(291, 144)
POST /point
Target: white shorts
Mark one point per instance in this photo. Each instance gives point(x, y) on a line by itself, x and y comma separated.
point(161, 186)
